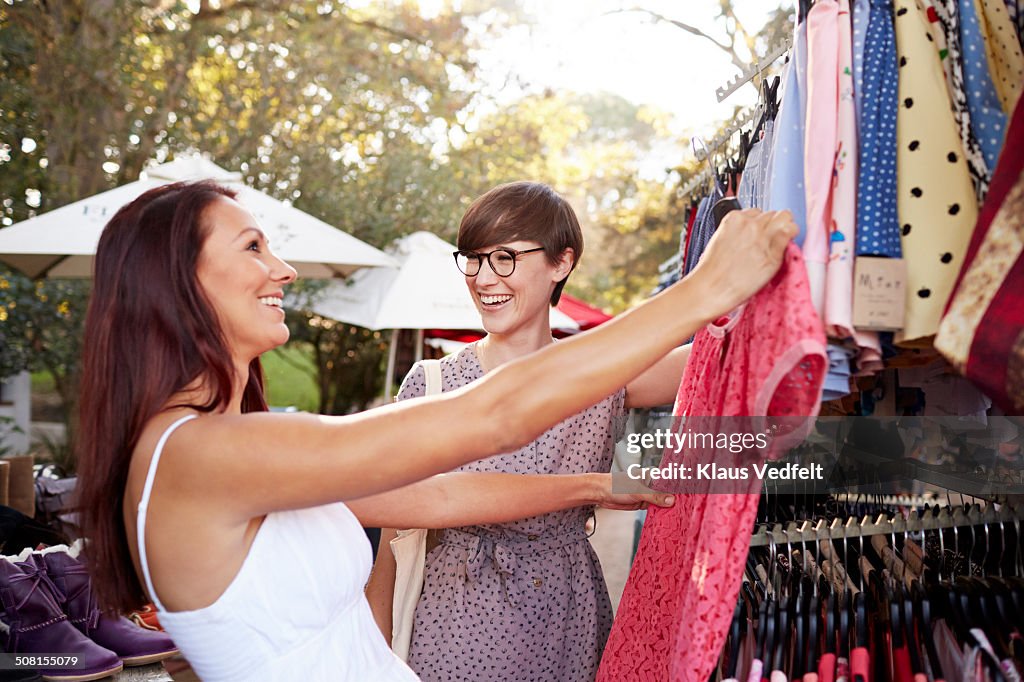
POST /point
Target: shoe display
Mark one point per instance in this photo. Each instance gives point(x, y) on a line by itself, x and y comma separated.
point(73, 590)
point(146, 618)
point(32, 622)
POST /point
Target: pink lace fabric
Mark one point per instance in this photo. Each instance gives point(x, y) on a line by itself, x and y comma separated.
point(767, 360)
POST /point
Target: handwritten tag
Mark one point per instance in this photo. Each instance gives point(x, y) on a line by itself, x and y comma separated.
point(879, 293)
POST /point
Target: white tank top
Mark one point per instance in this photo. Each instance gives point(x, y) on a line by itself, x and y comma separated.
point(294, 611)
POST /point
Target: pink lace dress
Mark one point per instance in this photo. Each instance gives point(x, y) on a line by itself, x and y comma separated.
point(768, 359)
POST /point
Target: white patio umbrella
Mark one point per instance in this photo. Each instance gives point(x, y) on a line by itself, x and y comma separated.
point(62, 242)
point(426, 292)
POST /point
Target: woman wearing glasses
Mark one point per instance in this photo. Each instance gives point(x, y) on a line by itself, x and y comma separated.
point(524, 600)
point(243, 526)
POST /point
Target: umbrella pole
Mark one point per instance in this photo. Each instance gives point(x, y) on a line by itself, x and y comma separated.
point(389, 378)
point(419, 345)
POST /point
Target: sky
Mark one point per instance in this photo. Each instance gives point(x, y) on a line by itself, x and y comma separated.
point(585, 46)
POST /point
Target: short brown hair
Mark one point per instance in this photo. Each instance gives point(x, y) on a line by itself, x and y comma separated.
point(527, 211)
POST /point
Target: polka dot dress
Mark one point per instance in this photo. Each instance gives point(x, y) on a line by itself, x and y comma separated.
point(987, 116)
point(936, 202)
point(948, 15)
point(1016, 11)
point(522, 601)
point(877, 227)
point(1006, 63)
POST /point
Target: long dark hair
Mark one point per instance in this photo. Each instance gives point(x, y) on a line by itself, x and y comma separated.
point(149, 333)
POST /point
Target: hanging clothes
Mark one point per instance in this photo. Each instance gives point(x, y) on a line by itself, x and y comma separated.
point(684, 238)
point(703, 230)
point(980, 334)
point(842, 229)
point(838, 314)
point(987, 116)
point(820, 133)
point(869, 357)
point(1016, 12)
point(837, 380)
point(753, 185)
point(1002, 47)
point(937, 206)
point(766, 359)
point(890, 609)
point(948, 14)
point(877, 226)
point(861, 14)
point(786, 184)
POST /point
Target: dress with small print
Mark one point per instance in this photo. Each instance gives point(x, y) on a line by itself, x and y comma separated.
point(785, 190)
point(1003, 50)
point(936, 202)
point(878, 232)
point(522, 601)
point(988, 117)
point(947, 14)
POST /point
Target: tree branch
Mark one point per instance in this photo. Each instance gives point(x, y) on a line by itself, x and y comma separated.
point(404, 35)
point(207, 13)
point(728, 49)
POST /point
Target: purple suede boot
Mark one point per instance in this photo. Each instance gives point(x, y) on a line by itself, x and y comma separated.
point(133, 644)
point(31, 622)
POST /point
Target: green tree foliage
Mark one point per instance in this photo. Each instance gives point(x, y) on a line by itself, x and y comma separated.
point(348, 360)
point(257, 85)
point(41, 328)
point(335, 108)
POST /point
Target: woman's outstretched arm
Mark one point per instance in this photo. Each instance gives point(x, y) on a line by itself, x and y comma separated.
point(275, 461)
point(471, 498)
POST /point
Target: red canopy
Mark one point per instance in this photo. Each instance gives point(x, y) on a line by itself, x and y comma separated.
point(587, 316)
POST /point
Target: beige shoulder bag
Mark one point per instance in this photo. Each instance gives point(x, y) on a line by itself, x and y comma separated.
point(410, 550)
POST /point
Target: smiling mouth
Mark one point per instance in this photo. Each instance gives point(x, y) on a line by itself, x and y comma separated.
point(494, 301)
point(272, 301)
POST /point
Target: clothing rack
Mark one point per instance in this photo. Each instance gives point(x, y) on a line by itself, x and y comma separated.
point(743, 118)
point(697, 181)
point(707, 173)
point(851, 529)
point(757, 68)
point(671, 264)
point(900, 500)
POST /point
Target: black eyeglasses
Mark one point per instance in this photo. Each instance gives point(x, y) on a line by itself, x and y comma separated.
point(502, 261)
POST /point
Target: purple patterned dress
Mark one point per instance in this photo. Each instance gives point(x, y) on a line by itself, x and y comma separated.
point(522, 601)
